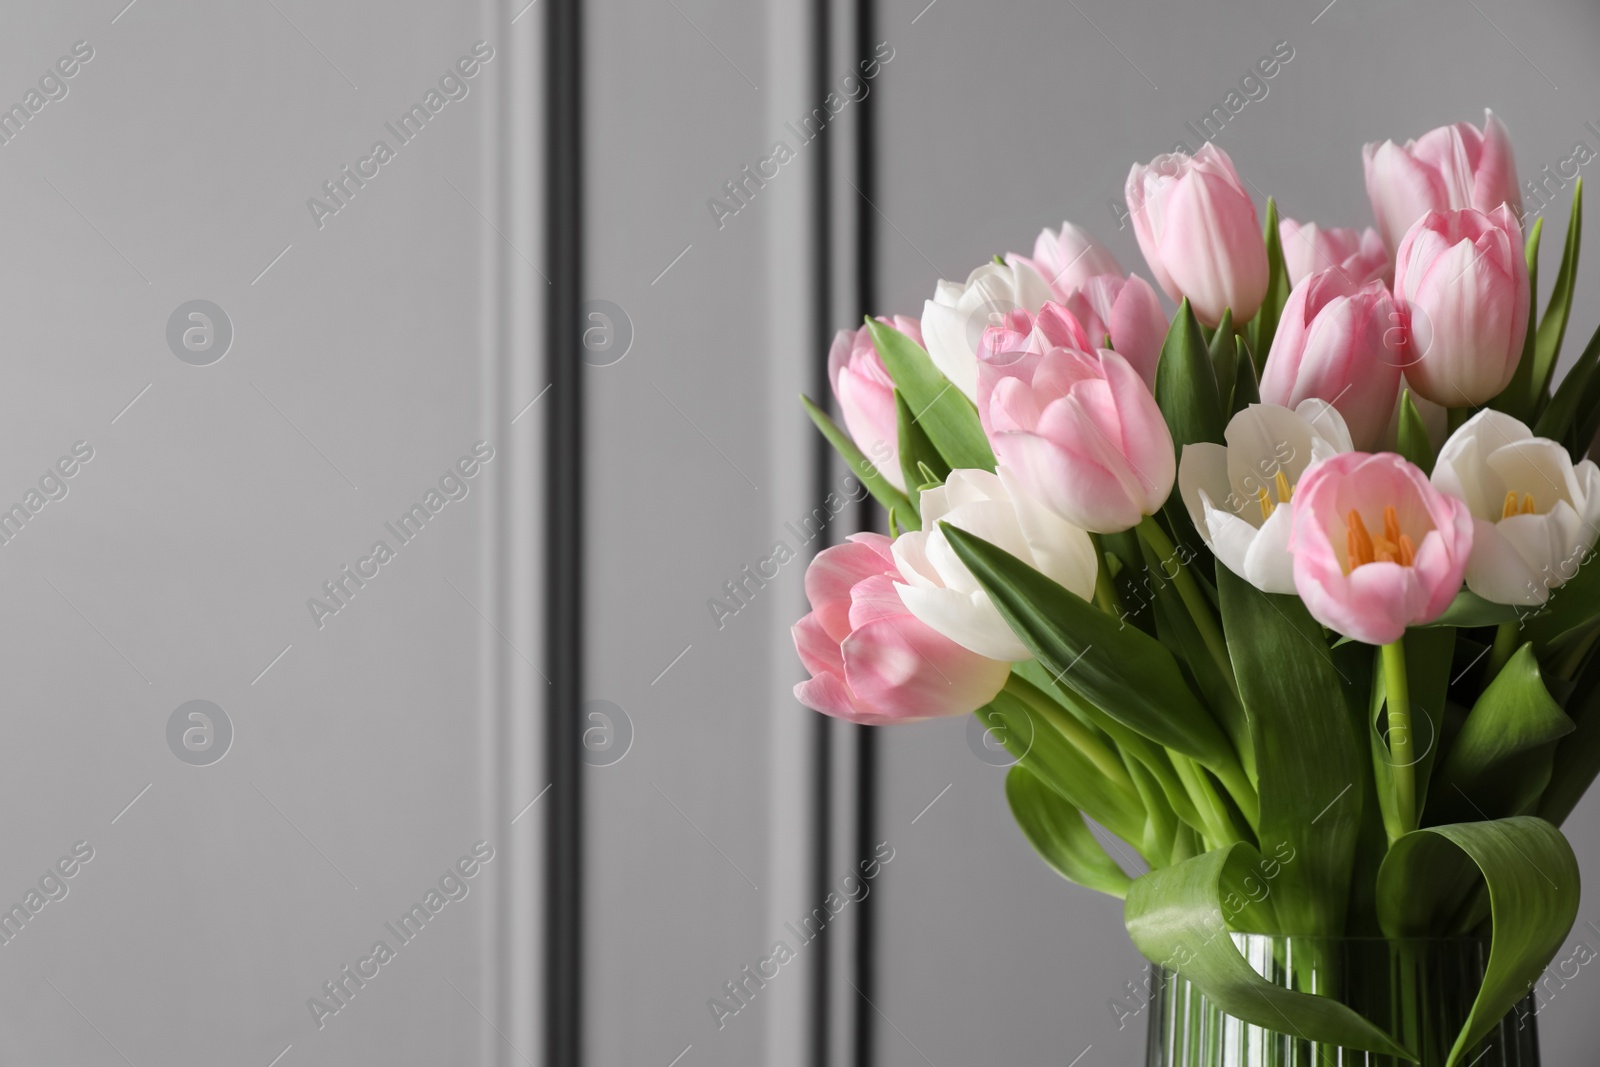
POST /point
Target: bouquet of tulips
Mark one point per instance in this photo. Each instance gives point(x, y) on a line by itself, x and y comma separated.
point(1291, 593)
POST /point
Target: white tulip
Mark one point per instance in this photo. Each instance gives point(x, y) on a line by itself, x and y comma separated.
point(939, 589)
point(1534, 514)
point(1238, 495)
point(954, 320)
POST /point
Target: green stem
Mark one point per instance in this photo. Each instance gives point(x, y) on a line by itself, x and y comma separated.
point(1218, 826)
point(1505, 645)
point(1105, 594)
point(1398, 696)
point(1455, 418)
point(1237, 783)
point(1155, 759)
point(1193, 599)
point(1079, 735)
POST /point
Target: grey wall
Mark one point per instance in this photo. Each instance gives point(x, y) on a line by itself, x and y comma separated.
point(369, 357)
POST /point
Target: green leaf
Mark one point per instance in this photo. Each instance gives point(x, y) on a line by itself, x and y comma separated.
point(1573, 607)
point(1175, 916)
point(1469, 610)
point(1414, 443)
point(1186, 386)
point(916, 454)
point(1517, 399)
point(1265, 325)
point(1058, 833)
point(1307, 758)
point(1034, 736)
point(1533, 883)
point(1553, 327)
point(1224, 351)
point(1118, 668)
point(1499, 764)
point(1577, 759)
point(1245, 389)
point(943, 411)
point(1175, 628)
point(1556, 420)
point(862, 467)
point(1587, 425)
point(1186, 391)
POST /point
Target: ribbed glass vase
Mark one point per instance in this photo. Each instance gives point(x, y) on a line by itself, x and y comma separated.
point(1418, 990)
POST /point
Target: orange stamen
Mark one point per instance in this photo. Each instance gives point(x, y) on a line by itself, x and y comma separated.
point(1266, 503)
point(1527, 503)
point(1391, 546)
point(1510, 507)
point(1358, 543)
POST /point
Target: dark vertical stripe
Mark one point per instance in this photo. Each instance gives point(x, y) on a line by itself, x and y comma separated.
point(563, 624)
point(822, 332)
point(864, 958)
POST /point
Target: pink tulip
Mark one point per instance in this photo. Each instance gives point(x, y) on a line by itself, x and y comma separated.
point(1376, 547)
point(1448, 169)
point(1461, 280)
point(866, 394)
point(1308, 248)
point(1128, 311)
point(1068, 259)
point(871, 660)
point(1198, 230)
point(1081, 432)
point(1338, 341)
point(1019, 332)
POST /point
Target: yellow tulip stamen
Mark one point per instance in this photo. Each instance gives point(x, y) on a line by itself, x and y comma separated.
point(1513, 507)
point(1285, 492)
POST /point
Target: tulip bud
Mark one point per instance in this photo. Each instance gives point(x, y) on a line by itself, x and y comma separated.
point(954, 320)
point(1339, 342)
point(865, 393)
point(1462, 284)
point(1308, 248)
point(1448, 169)
point(871, 660)
point(1067, 259)
point(1198, 230)
point(1081, 432)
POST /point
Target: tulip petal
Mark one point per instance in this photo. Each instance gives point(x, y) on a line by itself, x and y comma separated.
point(818, 652)
point(1497, 571)
point(906, 670)
point(969, 619)
point(834, 572)
point(1203, 470)
point(828, 694)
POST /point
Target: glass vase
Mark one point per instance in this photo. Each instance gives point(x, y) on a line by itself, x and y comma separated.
point(1419, 991)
